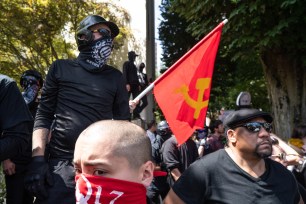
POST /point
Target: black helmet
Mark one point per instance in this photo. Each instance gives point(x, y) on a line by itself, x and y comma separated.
point(31, 77)
point(89, 21)
point(163, 128)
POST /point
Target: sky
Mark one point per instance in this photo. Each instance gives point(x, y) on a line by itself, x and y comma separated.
point(138, 22)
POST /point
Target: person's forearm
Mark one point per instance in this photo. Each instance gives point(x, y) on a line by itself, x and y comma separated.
point(39, 141)
point(175, 173)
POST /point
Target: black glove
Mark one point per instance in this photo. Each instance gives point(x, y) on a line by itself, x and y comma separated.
point(37, 177)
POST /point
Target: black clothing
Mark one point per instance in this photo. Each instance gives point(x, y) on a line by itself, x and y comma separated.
point(216, 178)
point(72, 99)
point(159, 185)
point(15, 120)
point(130, 73)
point(16, 125)
point(15, 190)
point(33, 108)
point(63, 176)
point(156, 148)
point(179, 157)
point(143, 80)
point(131, 78)
point(78, 98)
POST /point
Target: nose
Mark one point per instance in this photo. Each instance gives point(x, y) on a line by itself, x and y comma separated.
point(263, 133)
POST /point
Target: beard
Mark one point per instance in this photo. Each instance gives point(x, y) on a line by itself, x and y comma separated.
point(263, 152)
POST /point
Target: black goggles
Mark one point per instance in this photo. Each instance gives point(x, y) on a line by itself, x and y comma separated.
point(104, 32)
point(256, 126)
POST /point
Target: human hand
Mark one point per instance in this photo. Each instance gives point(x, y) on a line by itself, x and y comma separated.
point(133, 104)
point(37, 177)
point(8, 167)
point(128, 87)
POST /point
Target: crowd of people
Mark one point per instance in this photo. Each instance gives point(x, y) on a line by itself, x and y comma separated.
point(69, 138)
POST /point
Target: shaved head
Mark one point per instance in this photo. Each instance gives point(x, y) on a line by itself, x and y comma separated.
point(121, 138)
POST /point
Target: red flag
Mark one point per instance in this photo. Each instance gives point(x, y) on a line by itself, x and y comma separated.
point(182, 92)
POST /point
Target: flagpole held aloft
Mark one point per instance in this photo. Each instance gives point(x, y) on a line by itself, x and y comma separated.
point(151, 86)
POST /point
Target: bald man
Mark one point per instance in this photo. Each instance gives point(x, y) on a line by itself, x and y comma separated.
point(112, 160)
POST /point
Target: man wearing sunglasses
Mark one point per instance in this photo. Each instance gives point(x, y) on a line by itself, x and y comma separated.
point(240, 173)
point(76, 94)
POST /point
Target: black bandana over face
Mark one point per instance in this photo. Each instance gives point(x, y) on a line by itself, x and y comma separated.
point(95, 55)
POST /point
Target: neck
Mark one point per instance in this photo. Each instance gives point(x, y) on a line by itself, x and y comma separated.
point(251, 164)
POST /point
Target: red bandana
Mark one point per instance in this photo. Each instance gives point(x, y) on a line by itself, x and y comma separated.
point(98, 189)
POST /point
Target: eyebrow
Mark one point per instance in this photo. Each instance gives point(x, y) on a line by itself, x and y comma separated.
point(91, 163)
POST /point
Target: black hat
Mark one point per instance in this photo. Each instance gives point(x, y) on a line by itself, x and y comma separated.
point(245, 115)
point(86, 23)
point(132, 53)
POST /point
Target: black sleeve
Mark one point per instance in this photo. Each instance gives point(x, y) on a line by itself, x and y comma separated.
point(192, 185)
point(14, 140)
point(146, 79)
point(170, 155)
point(15, 120)
point(156, 152)
point(121, 109)
point(47, 105)
point(13, 109)
point(125, 71)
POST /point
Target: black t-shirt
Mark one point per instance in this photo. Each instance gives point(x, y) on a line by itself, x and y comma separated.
point(179, 157)
point(15, 120)
point(75, 98)
point(216, 178)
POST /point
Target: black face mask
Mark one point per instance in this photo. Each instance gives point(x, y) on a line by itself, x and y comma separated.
point(94, 56)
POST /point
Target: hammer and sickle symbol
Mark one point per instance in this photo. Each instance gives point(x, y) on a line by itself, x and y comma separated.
point(201, 85)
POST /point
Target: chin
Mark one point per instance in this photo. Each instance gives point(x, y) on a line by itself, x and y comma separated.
point(264, 154)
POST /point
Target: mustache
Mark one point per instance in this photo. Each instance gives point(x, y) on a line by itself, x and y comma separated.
point(265, 142)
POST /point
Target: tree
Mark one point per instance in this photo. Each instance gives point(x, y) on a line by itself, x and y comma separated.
point(37, 32)
point(269, 32)
point(229, 77)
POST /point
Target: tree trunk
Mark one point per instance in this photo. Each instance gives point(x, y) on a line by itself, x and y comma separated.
point(286, 82)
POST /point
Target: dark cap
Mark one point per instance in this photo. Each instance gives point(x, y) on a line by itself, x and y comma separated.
point(132, 53)
point(245, 115)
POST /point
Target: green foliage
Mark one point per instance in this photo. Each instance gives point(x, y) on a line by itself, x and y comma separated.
point(230, 77)
point(37, 32)
point(254, 28)
point(2, 187)
point(175, 40)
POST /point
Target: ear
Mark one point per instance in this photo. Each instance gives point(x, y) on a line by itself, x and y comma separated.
point(147, 173)
point(232, 137)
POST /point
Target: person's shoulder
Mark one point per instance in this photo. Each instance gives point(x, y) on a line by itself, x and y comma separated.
point(65, 61)
point(214, 158)
point(65, 64)
point(4, 79)
point(126, 63)
point(172, 139)
point(112, 70)
point(7, 82)
point(276, 165)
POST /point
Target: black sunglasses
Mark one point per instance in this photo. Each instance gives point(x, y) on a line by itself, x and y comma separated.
point(104, 32)
point(255, 126)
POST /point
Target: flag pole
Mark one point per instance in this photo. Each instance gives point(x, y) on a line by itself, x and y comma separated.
point(151, 86)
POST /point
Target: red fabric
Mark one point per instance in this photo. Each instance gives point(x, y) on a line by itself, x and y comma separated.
point(98, 189)
point(186, 85)
point(159, 173)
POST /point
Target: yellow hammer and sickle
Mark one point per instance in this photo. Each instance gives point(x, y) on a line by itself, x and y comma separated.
point(201, 85)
